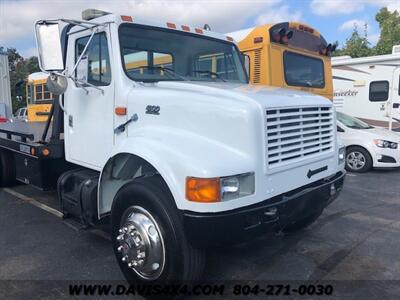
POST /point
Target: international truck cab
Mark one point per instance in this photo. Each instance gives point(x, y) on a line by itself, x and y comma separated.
point(163, 137)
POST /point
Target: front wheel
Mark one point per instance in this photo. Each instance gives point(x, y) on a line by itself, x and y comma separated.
point(148, 236)
point(358, 160)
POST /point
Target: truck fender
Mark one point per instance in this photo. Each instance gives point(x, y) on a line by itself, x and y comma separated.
point(174, 160)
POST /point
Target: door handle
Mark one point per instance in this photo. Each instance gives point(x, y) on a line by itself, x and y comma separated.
point(121, 128)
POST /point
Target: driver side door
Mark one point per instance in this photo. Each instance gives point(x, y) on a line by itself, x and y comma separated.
point(89, 116)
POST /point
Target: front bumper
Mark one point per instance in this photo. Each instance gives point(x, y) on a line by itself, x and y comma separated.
point(241, 224)
point(386, 158)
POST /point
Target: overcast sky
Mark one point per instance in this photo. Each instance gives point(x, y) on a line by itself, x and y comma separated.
point(333, 18)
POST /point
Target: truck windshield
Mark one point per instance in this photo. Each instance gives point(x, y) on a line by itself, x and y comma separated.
point(301, 70)
point(156, 54)
point(351, 122)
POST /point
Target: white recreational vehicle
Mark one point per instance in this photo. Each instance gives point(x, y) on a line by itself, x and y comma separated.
point(368, 88)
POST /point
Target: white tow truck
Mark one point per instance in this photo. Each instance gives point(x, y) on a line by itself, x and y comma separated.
point(157, 131)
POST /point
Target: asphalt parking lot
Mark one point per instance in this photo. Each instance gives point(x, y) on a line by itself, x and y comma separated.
point(356, 240)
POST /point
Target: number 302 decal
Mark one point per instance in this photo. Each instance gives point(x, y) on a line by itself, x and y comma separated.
point(153, 109)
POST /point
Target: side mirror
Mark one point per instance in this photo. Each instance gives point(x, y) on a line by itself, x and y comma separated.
point(48, 41)
point(57, 84)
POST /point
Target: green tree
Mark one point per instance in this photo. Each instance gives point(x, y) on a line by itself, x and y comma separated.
point(389, 24)
point(356, 45)
point(20, 68)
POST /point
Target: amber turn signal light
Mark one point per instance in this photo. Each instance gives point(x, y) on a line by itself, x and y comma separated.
point(204, 190)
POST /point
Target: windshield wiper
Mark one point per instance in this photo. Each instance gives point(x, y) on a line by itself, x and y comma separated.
point(210, 73)
point(169, 72)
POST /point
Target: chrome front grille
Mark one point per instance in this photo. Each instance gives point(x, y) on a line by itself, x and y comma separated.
point(295, 134)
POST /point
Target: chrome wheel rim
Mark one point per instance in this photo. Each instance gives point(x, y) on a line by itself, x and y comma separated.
point(140, 243)
point(356, 160)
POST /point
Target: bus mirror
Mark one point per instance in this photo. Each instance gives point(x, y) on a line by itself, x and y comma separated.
point(57, 84)
point(48, 41)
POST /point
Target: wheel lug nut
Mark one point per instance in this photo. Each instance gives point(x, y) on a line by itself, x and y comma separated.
point(120, 248)
point(120, 231)
point(141, 255)
point(125, 258)
point(120, 237)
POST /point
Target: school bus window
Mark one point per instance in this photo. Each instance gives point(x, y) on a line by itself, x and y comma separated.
point(379, 91)
point(39, 92)
point(305, 71)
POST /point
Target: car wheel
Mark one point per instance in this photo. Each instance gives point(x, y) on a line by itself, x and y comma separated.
point(148, 235)
point(358, 160)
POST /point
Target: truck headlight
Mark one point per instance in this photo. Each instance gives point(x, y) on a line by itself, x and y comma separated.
point(385, 144)
point(208, 190)
point(342, 154)
point(237, 186)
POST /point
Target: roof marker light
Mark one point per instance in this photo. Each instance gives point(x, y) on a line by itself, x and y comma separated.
point(199, 31)
point(127, 18)
point(171, 25)
point(229, 38)
point(258, 39)
point(185, 28)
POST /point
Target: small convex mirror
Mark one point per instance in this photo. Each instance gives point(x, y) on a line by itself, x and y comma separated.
point(48, 41)
point(82, 70)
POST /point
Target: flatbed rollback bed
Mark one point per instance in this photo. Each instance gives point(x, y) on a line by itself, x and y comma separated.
point(33, 153)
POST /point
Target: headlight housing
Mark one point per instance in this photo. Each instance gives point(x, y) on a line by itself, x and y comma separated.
point(342, 155)
point(386, 144)
point(209, 190)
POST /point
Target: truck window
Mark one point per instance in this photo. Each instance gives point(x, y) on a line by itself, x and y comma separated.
point(379, 91)
point(301, 70)
point(99, 71)
point(187, 56)
point(222, 64)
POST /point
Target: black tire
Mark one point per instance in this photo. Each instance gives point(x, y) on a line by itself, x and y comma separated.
point(302, 223)
point(7, 169)
point(361, 153)
point(182, 261)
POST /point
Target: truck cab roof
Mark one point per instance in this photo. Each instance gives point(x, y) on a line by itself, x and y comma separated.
point(119, 19)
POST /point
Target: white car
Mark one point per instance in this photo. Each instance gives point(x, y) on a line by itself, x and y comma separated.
point(367, 146)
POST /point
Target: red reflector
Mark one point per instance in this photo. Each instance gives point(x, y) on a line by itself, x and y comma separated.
point(199, 31)
point(229, 38)
point(171, 25)
point(258, 39)
point(126, 18)
point(185, 28)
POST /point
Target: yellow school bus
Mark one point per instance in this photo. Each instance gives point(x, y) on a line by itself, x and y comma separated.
point(291, 55)
point(39, 99)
